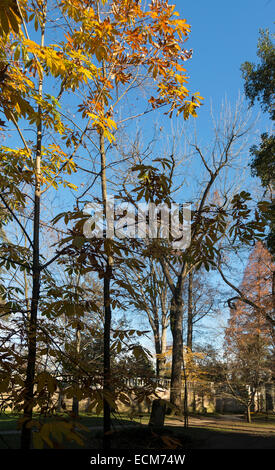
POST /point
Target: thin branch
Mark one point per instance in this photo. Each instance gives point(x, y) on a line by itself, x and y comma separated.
point(44, 266)
point(168, 276)
point(203, 159)
point(244, 299)
point(16, 218)
point(21, 135)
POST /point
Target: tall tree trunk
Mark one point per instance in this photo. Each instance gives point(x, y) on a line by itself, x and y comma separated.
point(154, 322)
point(190, 312)
point(107, 363)
point(32, 336)
point(26, 288)
point(176, 318)
point(250, 404)
point(189, 342)
point(185, 401)
point(107, 307)
point(248, 414)
point(273, 305)
point(163, 346)
point(158, 350)
point(164, 326)
point(75, 407)
point(26, 433)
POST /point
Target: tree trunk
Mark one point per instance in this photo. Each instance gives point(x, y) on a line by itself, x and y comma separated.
point(164, 326)
point(107, 391)
point(176, 318)
point(248, 414)
point(185, 402)
point(154, 321)
point(190, 312)
point(107, 363)
point(273, 290)
point(273, 306)
point(194, 403)
point(26, 433)
point(158, 351)
point(75, 407)
point(163, 347)
point(189, 341)
point(31, 360)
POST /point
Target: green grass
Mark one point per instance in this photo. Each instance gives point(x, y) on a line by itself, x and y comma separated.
point(93, 438)
point(9, 420)
point(264, 418)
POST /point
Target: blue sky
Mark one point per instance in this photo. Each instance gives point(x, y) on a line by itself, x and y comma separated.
point(223, 36)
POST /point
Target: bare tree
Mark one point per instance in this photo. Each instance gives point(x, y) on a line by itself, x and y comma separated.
point(147, 292)
point(211, 222)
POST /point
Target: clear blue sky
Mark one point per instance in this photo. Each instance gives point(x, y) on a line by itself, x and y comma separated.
point(224, 34)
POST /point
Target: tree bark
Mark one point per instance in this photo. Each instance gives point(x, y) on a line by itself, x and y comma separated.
point(176, 318)
point(32, 339)
point(273, 303)
point(185, 401)
point(164, 326)
point(162, 361)
point(107, 307)
point(75, 407)
point(26, 433)
point(248, 414)
point(107, 363)
point(190, 312)
point(158, 351)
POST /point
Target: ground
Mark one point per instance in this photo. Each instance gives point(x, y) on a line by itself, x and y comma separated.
point(204, 432)
point(229, 432)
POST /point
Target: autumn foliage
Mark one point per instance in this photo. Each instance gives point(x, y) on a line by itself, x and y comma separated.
point(249, 337)
point(74, 77)
point(257, 284)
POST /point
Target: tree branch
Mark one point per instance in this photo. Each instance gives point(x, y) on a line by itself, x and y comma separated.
point(244, 299)
point(16, 218)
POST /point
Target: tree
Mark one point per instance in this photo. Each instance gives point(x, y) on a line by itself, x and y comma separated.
point(147, 292)
point(34, 167)
point(38, 175)
point(228, 219)
point(128, 43)
point(260, 79)
point(200, 300)
point(249, 344)
point(259, 84)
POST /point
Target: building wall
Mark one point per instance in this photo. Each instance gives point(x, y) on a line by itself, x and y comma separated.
point(202, 398)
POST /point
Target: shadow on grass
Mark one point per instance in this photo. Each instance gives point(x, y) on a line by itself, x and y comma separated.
point(131, 435)
point(92, 437)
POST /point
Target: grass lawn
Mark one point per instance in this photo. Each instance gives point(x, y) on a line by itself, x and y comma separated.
point(205, 432)
point(263, 418)
point(9, 420)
